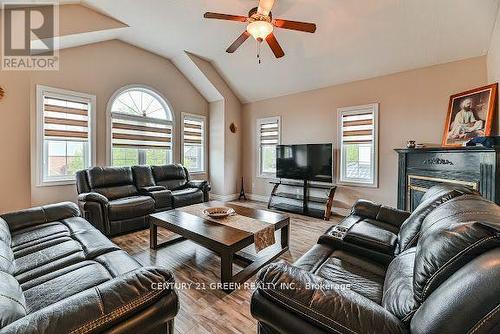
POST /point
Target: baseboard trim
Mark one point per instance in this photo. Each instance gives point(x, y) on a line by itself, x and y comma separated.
point(223, 198)
point(258, 198)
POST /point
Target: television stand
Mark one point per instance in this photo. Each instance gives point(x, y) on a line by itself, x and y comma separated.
point(304, 199)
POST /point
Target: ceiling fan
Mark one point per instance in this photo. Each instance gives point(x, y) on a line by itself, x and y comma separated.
point(260, 25)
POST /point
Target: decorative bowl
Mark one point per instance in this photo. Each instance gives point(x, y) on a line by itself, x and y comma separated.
point(218, 212)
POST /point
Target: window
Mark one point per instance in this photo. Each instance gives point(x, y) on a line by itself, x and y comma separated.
point(268, 136)
point(358, 145)
point(141, 125)
point(65, 134)
point(193, 139)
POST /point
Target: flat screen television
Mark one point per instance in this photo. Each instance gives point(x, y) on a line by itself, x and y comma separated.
point(311, 162)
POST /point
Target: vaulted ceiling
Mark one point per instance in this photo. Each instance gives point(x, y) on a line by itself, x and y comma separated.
point(355, 39)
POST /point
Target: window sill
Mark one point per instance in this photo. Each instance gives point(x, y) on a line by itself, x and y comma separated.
point(357, 184)
point(56, 183)
point(197, 172)
point(264, 176)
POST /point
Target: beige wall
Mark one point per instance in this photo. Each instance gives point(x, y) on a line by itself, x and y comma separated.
point(15, 141)
point(494, 61)
point(98, 69)
point(231, 142)
point(413, 105)
point(216, 146)
point(494, 54)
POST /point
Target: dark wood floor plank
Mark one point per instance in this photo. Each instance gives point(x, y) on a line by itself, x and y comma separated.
point(208, 311)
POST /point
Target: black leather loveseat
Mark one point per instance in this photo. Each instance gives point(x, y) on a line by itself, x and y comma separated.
point(58, 274)
point(443, 276)
point(117, 200)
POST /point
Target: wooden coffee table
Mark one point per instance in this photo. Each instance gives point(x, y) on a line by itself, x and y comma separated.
point(226, 241)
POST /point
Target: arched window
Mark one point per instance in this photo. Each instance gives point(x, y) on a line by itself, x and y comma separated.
point(141, 128)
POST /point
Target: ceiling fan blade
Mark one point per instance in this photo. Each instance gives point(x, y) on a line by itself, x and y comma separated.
point(265, 7)
point(218, 16)
point(295, 25)
point(275, 46)
point(237, 43)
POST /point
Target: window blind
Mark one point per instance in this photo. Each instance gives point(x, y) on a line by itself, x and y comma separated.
point(357, 128)
point(129, 133)
point(269, 133)
point(65, 119)
point(193, 131)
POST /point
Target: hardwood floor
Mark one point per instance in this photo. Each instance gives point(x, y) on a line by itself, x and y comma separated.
point(203, 308)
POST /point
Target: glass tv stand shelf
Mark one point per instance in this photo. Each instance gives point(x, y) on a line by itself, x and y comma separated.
point(299, 203)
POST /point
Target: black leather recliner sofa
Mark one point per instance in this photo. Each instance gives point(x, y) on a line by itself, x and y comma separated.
point(439, 275)
point(59, 274)
point(117, 200)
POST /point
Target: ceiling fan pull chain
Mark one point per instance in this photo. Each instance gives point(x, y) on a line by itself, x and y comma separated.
point(258, 52)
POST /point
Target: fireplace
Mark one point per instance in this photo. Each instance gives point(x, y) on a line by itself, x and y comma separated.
point(420, 169)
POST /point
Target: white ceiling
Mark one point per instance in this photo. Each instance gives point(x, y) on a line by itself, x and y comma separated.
point(355, 39)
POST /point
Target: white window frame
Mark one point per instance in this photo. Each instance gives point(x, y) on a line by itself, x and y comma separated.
point(375, 150)
point(204, 162)
point(109, 119)
point(42, 91)
point(259, 122)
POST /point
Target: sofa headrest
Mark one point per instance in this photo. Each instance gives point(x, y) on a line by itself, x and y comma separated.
point(452, 235)
point(143, 176)
point(42, 214)
point(446, 190)
point(434, 197)
point(82, 182)
point(169, 172)
point(103, 177)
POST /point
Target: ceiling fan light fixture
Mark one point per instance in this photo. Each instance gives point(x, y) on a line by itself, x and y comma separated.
point(260, 29)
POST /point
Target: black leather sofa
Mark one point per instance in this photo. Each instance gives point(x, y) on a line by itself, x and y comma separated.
point(117, 200)
point(381, 232)
point(58, 274)
point(443, 276)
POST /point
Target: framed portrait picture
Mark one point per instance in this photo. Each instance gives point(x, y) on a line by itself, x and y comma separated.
point(470, 115)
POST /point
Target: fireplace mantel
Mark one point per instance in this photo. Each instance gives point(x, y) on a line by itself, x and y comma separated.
point(421, 168)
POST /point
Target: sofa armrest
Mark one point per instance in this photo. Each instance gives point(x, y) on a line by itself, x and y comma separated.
point(93, 197)
point(94, 208)
point(96, 310)
point(318, 301)
point(145, 190)
point(200, 184)
point(369, 209)
point(203, 185)
point(39, 215)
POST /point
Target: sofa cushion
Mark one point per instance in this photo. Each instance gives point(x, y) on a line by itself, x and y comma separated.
point(314, 257)
point(434, 197)
point(368, 233)
point(143, 176)
point(12, 301)
point(186, 197)
point(38, 234)
point(112, 182)
point(47, 258)
point(172, 177)
point(454, 234)
point(130, 207)
point(87, 274)
point(398, 286)
point(361, 275)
